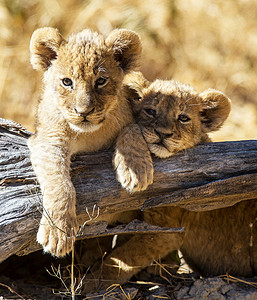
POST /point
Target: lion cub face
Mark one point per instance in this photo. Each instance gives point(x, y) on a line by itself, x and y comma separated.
point(173, 116)
point(84, 72)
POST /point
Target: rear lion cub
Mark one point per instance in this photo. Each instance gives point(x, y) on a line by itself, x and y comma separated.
point(173, 117)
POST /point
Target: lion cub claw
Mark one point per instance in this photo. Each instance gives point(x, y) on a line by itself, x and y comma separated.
point(133, 177)
point(56, 238)
point(132, 160)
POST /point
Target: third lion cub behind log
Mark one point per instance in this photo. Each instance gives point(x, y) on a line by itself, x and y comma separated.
point(173, 117)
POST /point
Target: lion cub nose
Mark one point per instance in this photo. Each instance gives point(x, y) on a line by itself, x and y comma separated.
point(163, 135)
point(84, 111)
point(168, 135)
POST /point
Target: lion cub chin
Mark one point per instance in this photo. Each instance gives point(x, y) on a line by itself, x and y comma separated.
point(83, 109)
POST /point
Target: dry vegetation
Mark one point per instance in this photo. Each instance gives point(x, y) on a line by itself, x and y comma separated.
point(205, 43)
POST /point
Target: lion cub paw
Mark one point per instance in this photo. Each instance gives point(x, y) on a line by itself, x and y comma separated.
point(134, 174)
point(56, 235)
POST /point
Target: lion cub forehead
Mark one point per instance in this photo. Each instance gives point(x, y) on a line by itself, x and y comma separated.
point(85, 49)
point(171, 87)
point(173, 91)
point(86, 36)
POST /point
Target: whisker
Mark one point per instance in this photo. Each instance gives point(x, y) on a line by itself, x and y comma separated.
point(101, 69)
point(194, 104)
point(99, 66)
point(115, 118)
point(188, 100)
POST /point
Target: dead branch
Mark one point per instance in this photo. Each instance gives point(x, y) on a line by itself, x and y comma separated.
point(207, 177)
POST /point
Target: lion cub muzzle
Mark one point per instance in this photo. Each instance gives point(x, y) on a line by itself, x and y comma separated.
point(84, 112)
point(162, 135)
point(88, 112)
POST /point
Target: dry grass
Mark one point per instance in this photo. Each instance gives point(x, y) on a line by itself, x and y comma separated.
point(207, 43)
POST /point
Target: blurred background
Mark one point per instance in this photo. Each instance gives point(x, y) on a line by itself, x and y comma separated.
point(206, 43)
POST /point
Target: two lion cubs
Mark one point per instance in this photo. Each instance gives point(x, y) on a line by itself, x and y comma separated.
point(93, 97)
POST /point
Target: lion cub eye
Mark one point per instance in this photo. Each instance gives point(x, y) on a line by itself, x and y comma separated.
point(183, 118)
point(100, 82)
point(67, 82)
point(150, 112)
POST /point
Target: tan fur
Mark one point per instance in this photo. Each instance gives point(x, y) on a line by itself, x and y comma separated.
point(132, 160)
point(173, 116)
point(214, 242)
point(83, 108)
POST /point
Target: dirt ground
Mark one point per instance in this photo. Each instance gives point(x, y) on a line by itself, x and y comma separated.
point(208, 288)
point(31, 277)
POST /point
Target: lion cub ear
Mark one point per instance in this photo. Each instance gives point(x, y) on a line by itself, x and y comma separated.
point(44, 45)
point(126, 45)
point(134, 84)
point(215, 108)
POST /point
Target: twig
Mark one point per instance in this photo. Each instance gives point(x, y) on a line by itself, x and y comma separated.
point(72, 266)
point(11, 290)
point(91, 218)
point(57, 273)
point(251, 225)
point(111, 292)
point(234, 279)
point(174, 276)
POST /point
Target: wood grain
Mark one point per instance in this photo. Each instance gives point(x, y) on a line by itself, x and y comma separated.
point(206, 177)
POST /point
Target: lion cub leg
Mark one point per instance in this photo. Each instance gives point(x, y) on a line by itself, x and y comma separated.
point(51, 162)
point(127, 260)
point(132, 160)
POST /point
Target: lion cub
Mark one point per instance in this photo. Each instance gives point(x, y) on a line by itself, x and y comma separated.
point(83, 108)
point(172, 117)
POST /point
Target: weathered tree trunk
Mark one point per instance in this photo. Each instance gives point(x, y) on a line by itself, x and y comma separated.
point(207, 177)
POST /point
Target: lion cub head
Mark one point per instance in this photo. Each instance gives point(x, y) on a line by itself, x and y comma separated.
point(172, 115)
point(83, 74)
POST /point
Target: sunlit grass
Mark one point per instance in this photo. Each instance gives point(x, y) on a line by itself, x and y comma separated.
point(204, 43)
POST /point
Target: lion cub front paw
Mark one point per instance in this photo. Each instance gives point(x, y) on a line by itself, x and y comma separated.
point(56, 235)
point(134, 174)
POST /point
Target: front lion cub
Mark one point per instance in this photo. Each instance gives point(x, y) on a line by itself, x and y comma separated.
point(83, 108)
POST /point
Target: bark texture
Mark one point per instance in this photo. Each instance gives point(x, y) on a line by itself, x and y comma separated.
point(207, 177)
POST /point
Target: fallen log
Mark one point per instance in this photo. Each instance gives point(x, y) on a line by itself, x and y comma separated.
point(207, 177)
